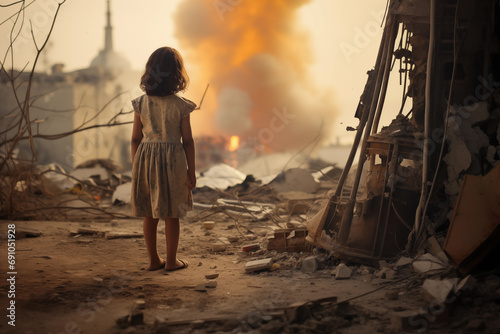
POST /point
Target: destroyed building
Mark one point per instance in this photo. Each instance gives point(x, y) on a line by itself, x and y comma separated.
point(63, 103)
point(416, 169)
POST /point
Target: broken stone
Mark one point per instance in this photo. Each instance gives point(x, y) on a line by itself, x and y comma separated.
point(440, 290)
point(218, 247)
point(212, 284)
point(200, 288)
point(427, 262)
point(211, 276)
point(233, 239)
point(275, 267)
point(403, 261)
point(27, 232)
point(258, 265)
point(140, 304)
point(208, 225)
point(343, 272)
point(310, 264)
point(98, 281)
point(224, 240)
point(408, 320)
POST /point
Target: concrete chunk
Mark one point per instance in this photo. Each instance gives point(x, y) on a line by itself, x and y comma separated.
point(403, 261)
point(440, 290)
point(310, 264)
point(343, 272)
point(426, 263)
point(257, 265)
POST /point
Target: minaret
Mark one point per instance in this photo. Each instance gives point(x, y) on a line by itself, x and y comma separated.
point(108, 38)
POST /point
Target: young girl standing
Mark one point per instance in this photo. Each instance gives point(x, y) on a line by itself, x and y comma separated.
point(163, 172)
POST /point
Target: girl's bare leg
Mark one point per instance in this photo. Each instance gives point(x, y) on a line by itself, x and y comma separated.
point(149, 227)
point(172, 239)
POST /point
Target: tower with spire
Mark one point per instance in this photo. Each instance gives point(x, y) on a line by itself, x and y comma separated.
point(107, 58)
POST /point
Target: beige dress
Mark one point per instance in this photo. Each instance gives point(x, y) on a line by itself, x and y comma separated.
point(159, 172)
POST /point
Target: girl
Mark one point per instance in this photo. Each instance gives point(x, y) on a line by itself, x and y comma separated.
point(163, 172)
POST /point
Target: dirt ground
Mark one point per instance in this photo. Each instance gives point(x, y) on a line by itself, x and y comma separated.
point(86, 283)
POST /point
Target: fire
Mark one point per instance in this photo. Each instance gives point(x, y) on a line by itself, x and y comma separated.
point(255, 55)
point(234, 143)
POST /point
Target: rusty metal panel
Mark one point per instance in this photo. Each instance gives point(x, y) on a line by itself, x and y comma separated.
point(475, 226)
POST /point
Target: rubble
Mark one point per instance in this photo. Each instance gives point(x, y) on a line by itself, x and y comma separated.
point(438, 290)
point(427, 262)
point(122, 193)
point(258, 265)
point(343, 272)
point(310, 264)
point(295, 179)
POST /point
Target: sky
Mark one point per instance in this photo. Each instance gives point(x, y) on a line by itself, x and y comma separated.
point(344, 37)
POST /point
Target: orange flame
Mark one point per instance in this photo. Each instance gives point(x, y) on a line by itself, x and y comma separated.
point(234, 143)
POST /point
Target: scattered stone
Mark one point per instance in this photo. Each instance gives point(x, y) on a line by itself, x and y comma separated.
point(233, 239)
point(208, 225)
point(275, 267)
point(440, 290)
point(403, 261)
point(427, 262)
point(224, 240)
point(211, 276)
point(383, 264)
point(343, 272)
point(251, 248)
point(258, 265)
point(27, 232)
point(203, 287)
point(408, 320)
point(98, 281)
point(310, 264)
point(218, 247)
point(140, 304)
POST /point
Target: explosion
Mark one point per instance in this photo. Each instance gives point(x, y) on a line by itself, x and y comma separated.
point(255, 57)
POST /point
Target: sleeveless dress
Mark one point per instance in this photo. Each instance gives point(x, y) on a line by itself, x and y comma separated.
point(159, 170)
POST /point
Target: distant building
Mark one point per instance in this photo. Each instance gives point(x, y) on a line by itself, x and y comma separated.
point(62, 102)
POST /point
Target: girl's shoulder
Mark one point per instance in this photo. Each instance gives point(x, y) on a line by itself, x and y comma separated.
point(137, 103)
point(188, 104)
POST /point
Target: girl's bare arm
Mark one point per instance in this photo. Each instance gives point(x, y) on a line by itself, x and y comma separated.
point(136, 135)
point(188, 144)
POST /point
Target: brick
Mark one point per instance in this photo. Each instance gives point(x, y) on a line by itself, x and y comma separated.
point(251, 248)
point(258, 265)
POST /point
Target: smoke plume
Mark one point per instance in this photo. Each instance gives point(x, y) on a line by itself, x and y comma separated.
point(255, 57)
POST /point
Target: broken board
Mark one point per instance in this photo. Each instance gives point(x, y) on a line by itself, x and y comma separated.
point(474, 231)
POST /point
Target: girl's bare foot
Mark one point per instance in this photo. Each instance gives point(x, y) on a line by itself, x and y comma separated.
point(156, 266)
point(179, 264)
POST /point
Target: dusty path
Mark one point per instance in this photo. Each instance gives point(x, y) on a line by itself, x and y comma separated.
point(83, 284)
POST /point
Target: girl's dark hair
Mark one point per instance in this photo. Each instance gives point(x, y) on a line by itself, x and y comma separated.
point(165, 73)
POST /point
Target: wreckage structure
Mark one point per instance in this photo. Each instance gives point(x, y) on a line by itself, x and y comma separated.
point(433, 171)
